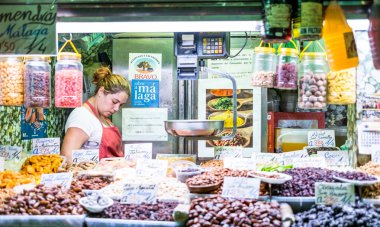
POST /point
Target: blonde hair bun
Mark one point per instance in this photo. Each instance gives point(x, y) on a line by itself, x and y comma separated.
point(100, 74)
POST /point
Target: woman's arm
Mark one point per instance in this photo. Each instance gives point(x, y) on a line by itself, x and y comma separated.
point(74, 139)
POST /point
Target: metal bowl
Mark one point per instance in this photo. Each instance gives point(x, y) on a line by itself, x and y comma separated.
point(193, 128)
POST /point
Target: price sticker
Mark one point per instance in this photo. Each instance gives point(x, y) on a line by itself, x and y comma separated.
point(240, 163)
point(151, 168)
point(63, 179)
point(335, 158)
point(45, 146)
point(139, 193)
point(85, 155)
point(231, 152)
point(139, 150)
point(321, 138)
point(241, 187)
point(333, 193)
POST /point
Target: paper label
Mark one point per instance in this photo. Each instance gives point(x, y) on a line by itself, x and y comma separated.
point(288, 157)
point(332, 193)
point(240, 163)
point(241, 187)
point(267, 158)
point(321, 138)
point(151, 168)
point(63, 179)
point(139, 193)
point(335, 158)
point(231, 152)
point(316, 162)
point(2, 160)
point(46, 146)
point(138, 150)
point(10, 152)
point(85, 155)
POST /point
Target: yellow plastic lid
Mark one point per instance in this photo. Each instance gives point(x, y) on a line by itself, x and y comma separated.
point(68, 56)
point(288, 51)
point(266, 50)
point(37, 58)
point(313, 54)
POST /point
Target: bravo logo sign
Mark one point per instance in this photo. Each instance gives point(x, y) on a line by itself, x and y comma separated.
point(145, 66)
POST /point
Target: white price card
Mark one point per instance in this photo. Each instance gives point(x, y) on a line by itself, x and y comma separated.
point(231, 152)
point(333, 193)
point(316, 162)
point(288, 157)
point(45, 146)
point(63, 179)
point(2, 160)
point(10, 152)
point(139, 193)
point(85, 155)
point(241, 187)
point(151, 167)
point(267, 158)
point(375, 154)
point(138, 150)
point(321, 138)
point(240, 163)
point(335, 158)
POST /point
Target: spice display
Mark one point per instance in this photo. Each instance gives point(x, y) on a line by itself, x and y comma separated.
point(276, 18)
point(341, 87)
point(11, 81)
point(213, 163)
point(41, 164)
point(286, 69)
point(227, 117)
point(312, 91)
point(219, 211)
point(359, 214)
point(37, 82)
point(10, 179)
point(263, 67)
point(155, 212)
point(223, 92)
point(43, 201)
point(90, 183)
point(238, 140)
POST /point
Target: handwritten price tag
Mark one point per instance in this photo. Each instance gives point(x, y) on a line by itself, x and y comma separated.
point(267, 158)
point(2, 160)
point(138, 150)
point(321, 138)
point(10, 152)
point(231, 152)
point(241, 187)
point(45, 146)
point(316, 162)
point(139, 193)
point(63, 179)
point(335, 158)
point(288, 157)
point(332, 193)
point(85, 155)
point(151, 168)
point(375, 154)
point(240, 163)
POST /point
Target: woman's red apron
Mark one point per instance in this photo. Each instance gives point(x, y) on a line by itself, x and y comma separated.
point(110, 144)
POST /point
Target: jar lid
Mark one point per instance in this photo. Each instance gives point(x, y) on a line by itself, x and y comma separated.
point(266, 50)
point(37, 58)
point(10, 58)
point(288, 51)
point(68, 56)
point(313, 54)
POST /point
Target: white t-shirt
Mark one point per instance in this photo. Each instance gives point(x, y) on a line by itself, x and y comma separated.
point(82, 118)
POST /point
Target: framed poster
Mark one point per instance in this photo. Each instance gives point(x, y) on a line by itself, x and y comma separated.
point(215, 103)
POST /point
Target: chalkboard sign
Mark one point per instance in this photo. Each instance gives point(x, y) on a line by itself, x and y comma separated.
point(28, 29)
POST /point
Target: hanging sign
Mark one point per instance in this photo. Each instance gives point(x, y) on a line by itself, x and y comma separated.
point(321, 138)
point(241, 187)
point(28, 29)
point(239, 163)
point(138, 150)
point(10, 152)
point(85, 155)
point(332, 193)
point(151, 168)
point(231, 152)
point(335, 158)
point(139, 193)
point(145, 66)
point(63, 179)
point(45, 146)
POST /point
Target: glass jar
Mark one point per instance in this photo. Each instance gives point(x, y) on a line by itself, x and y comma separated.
point(277, 18)
point(312, 82)
point(311, 19)
point(341, 87)
point(11, 81)
point(263, 67)
point(286, 70)
point(37, 73)
point(68, 80)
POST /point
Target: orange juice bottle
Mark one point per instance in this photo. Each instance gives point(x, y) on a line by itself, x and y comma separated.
point(339, 39)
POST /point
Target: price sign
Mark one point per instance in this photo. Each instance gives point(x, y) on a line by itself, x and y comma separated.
point(375, 154)
point(85, 155)
point(2, 160)
point(316, 162)
point(139, 193)
point(241, 187)
point(45, 146)
point(240, 163)
point(10, 152)
point(28, 29)
point(231, 152)
point(267, 158)
point(321, 138)
point(335, 158)
point(138, 150)
point(151, 168)
point(332, 193)
point(288, 157)
point(63, 179)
